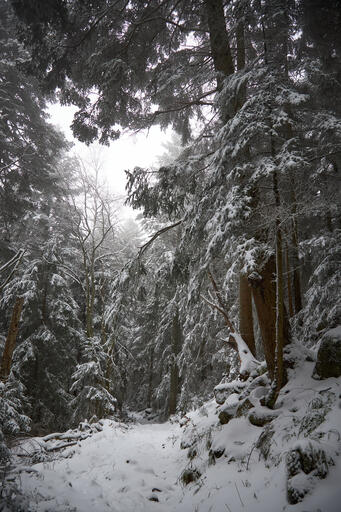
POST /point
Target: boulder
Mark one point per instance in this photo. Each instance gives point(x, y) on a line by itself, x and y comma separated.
point(224, 390)
point(328, 363)
point(225, 416)
point(243, 408)
point(227, 411)
point(260, 418)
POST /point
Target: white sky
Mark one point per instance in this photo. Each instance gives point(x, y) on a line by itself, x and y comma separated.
point(127, 152)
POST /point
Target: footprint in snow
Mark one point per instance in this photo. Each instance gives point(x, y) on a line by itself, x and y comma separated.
point(124, 489)
point(153, 497)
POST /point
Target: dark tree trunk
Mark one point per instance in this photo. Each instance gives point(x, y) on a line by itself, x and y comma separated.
point(6, 362)
point(296, 269)
point(219, 41)
point(150, 377)
point(264, 296)
point(289, 286)
point(174, 373)
point(241, 93)
point(280, 318)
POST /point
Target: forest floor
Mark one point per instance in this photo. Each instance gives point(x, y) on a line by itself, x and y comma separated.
point(195, 464)
point(119, 469)
point(137, 467)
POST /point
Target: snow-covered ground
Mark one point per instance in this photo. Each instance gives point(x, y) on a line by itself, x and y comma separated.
point(139, 466)
point(118, 470)
point(122, 469)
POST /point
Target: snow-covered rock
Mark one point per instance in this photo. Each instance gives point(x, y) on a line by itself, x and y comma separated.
point(328, 362)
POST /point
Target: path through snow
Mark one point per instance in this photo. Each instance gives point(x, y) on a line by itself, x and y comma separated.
point(116, 470)
point(123, 467)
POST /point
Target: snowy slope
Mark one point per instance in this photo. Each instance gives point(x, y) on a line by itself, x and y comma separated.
point(138, 467)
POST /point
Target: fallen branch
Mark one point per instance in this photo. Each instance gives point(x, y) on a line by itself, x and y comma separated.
point(70, 436)
point(65, 439)
point(60, 446)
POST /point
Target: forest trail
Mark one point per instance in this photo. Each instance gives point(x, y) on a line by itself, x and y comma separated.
point(137, 467)
point(122, 468)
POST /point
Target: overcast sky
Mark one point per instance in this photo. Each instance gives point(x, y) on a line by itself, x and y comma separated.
point(129, 151)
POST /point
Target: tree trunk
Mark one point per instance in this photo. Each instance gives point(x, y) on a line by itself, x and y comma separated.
point(150, 377)
point(219, 42)
point(44, 314)
point(288, 269)
point(11, 339)
point(264, 296)
point(297, 297)
point(174, 374)
point(241, 93)
point(245, 313)
point(268, 296)
point(279, 374)
point(279, 367)
point(296, 266)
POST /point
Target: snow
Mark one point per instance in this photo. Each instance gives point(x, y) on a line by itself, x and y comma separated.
point(117, 469)
point(335, 333)
point(248, 362)
point(138, 466)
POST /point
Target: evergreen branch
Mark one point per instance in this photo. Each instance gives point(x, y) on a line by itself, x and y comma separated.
point(91, 28)
point(144, 247)
point(11, 262)
point(68, 271)
point(188, 104)
point(324, 156)
point(183, 27)
point(17, 260)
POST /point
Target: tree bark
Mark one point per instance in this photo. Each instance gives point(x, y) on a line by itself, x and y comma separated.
point(219, 41)
point(150, 377)
point(264, 296)
point(245, 314)
point(296, 266)
point(174, 373)
point(279, 366)
point(241, 93)
point(6, 362)
point(289, 287)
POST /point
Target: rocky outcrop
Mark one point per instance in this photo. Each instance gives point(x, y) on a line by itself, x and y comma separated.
point(328, 362)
